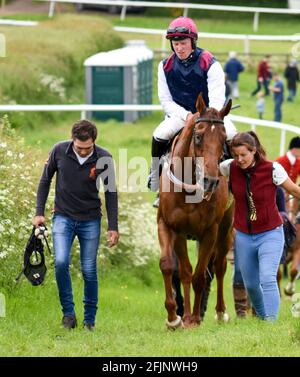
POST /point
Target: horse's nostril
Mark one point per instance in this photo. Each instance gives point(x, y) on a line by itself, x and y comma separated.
point(210, 183)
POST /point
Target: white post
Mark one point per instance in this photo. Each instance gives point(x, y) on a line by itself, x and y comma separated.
point(123, 13)
point(185, 12)
point(51, 9)
point(83, 114)
point(255, 21)
point(282, 142)
point(253, 127)
point(247, 45)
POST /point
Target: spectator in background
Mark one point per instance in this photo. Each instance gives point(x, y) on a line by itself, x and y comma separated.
point(260, 104)
point(278, 90)
point(264, 76)
point(291, 74)
point(228, 91)
point(232, 69)
point(291, 164)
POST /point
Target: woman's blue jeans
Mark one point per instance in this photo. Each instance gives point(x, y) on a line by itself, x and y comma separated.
point(64, 230)
point(258, 256)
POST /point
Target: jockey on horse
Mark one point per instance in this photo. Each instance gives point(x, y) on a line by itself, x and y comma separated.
point(190, 70)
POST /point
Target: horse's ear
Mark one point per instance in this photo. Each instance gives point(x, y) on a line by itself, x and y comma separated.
point(200, 104)
point(226, 108)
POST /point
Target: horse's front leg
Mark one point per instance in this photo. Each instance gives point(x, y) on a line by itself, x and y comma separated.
point(223, 245)
point(220, 269)
point(166, 238)
point(205, 251)
point(185, 273)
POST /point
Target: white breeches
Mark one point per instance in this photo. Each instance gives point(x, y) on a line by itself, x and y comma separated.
point(171, 125)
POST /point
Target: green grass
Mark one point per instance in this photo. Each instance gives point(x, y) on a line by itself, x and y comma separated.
point(131, 322)
point(46, 67)
point(27, 17)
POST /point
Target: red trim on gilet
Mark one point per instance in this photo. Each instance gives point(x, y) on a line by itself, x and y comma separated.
point(264, 196)
point(292, 170)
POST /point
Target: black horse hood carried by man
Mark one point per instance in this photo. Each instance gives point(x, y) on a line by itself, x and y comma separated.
point(34, 259)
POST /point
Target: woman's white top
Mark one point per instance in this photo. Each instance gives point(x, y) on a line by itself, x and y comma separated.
point(279, 174)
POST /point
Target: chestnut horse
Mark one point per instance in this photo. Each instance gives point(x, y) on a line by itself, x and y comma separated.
point(207, 219)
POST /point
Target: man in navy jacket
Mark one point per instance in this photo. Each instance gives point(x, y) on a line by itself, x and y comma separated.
point(78, 164)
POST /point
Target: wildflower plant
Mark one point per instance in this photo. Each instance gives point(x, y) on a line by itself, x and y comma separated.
point(19, 167)
point(138, 243)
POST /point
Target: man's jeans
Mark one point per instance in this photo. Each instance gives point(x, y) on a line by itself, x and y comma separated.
point(277, 111)
point(258, 257)
point(64, 230)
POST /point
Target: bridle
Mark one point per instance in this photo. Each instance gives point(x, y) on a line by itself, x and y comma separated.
point(209, 120)
point(210, 183)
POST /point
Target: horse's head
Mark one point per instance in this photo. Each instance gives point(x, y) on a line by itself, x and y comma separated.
point(208, 141)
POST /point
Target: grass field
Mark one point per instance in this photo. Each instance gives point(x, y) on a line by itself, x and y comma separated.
point(130, 320)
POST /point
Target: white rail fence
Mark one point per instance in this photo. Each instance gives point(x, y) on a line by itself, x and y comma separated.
point(245, 37)
point(185, 6)
point(252, 122)
point(18, 22)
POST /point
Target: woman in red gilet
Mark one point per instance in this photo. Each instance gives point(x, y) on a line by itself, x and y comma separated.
point(259, 232)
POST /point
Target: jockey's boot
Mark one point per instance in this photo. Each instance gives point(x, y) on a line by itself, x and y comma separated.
point(240, 300)
point(159, 147)
point(155, 204)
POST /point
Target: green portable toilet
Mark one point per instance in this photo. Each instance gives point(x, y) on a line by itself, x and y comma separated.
point(122, 76)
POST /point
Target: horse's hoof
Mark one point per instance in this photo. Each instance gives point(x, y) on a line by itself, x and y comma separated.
point(173, 325)
point(188, 323)
point(222, 317)
point(295, 309)
point(290, 289)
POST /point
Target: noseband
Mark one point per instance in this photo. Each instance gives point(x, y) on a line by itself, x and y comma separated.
point(210, 183)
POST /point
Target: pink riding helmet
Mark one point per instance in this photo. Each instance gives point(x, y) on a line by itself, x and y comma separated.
point(182, 27)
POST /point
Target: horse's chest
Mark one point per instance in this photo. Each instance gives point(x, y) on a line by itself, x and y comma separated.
point(187, 221)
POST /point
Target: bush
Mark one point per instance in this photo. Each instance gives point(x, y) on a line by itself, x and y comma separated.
point(18, 167)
